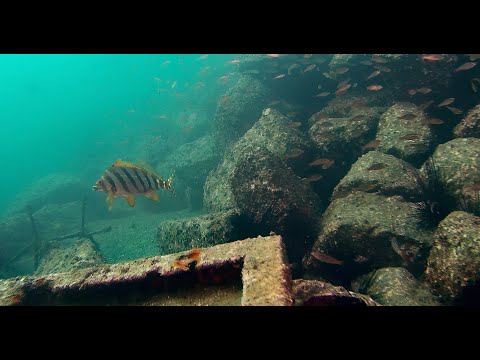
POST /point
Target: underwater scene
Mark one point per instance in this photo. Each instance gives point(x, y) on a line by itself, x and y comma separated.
point(240, 179)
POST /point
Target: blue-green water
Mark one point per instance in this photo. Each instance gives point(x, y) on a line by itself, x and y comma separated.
point(58, 110)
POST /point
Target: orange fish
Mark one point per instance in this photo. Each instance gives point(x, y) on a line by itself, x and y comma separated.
point(446, 102)
point(326, 163)
point(374, 87)
point(466, 66)
point(424, 90)
point(372, 144)
point(314, 178)
point(322, 257)
point(432, 57)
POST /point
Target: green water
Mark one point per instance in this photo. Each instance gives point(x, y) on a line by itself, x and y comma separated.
point(58, 112)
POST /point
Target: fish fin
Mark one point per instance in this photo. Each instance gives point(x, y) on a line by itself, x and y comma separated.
point(130, 200)
point(110, 198)
point(147, 167)
point(152, 195)
point(120, 163)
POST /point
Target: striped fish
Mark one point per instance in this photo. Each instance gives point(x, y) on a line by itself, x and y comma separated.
point(127, 179)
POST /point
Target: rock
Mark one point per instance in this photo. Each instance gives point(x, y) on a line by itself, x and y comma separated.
point(387, 176)
point(241, 109)
point(81, 254)
point(395, 286)
point(271, 132)
point(453, 268)
point(318, 293)
point(200, 231)
point(359, 230)
point(51, 189)
point(192, 163)
point(408, 139)
point(457, 168)
point(470, 125)
point(275, 199)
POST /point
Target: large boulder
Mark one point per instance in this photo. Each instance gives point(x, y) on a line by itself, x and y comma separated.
point(367, 231)
point(453, 268)
point(200, 231)
point(395, 286)
point(470, 125)
point(404, 133)
point(272, 132)
point(275, 199)
point(81, 254)
point(239, 109)
point(454, 173)
point(385, 174)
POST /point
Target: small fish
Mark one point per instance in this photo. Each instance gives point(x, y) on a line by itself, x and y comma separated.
point(432, 57)
point(343, 90)
point(374, 87)
point(291, 68)
point(358, 117)
point(377, 166)
point(424, 90)
point(383, 68)
point(309, 68)
point(364, 187)
point(322, 257)
point(326, 163)
point(419, 146)
point(359, 259)
point(307, 56)
point(446, 102)
point(342, 84)
point(203, 57)
point(294, 153)
point(314, 178)
point(373, 74)
point(410, 137)
point(372, 144)
point(433, 121)
point(466, 66)
point(408, 116)
point(161, 117)
point(294, 125)
point(474, 86)
point(236, 61)
point(127, 179)
point(379, 60)
point(225, 77)
point(365, 62)
point(454, 110)
point(412, 92)
point(273, 55)
point(323, 94)
point(473, 57)
point(425, 105)
point(341, 70)
point(279, 76)
point(173, 85)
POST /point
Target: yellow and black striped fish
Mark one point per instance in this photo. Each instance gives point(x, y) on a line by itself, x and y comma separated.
point(127, 179)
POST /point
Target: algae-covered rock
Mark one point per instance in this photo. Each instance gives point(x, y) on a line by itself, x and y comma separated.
point(200, 231)
point(79, 255)
point(470, 125)
point(271, 132)
point(384, 174)
point(368, 231)
point(457, 169)
point(453, 268)
point(319, 293)
point(403, 132)
point(395, 286)
point(275, 199)
point(52, 189)
point(241, 109)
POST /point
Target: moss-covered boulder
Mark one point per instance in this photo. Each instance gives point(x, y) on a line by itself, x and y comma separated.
point(395, 286)
point(275, 199)
point(272, 132)
point(241, 108)
point(319, 293)
point(470, 125)
point(453, 268)
point(404, 133)
point(200, 231)
point(454, 170)
point(384, 174)
point(367, 231)
point(80, 254)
